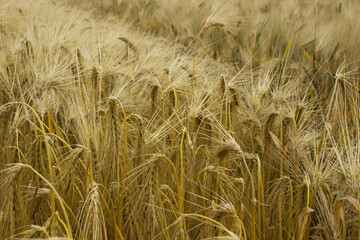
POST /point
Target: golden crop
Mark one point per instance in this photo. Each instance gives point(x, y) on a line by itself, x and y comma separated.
point(165, 119)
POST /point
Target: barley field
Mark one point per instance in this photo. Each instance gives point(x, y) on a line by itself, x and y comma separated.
point(169, 119)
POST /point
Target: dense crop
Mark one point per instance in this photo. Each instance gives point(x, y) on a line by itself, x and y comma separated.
point(180, 119)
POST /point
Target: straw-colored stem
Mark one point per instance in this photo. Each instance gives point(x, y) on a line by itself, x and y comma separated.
point(48, 153)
